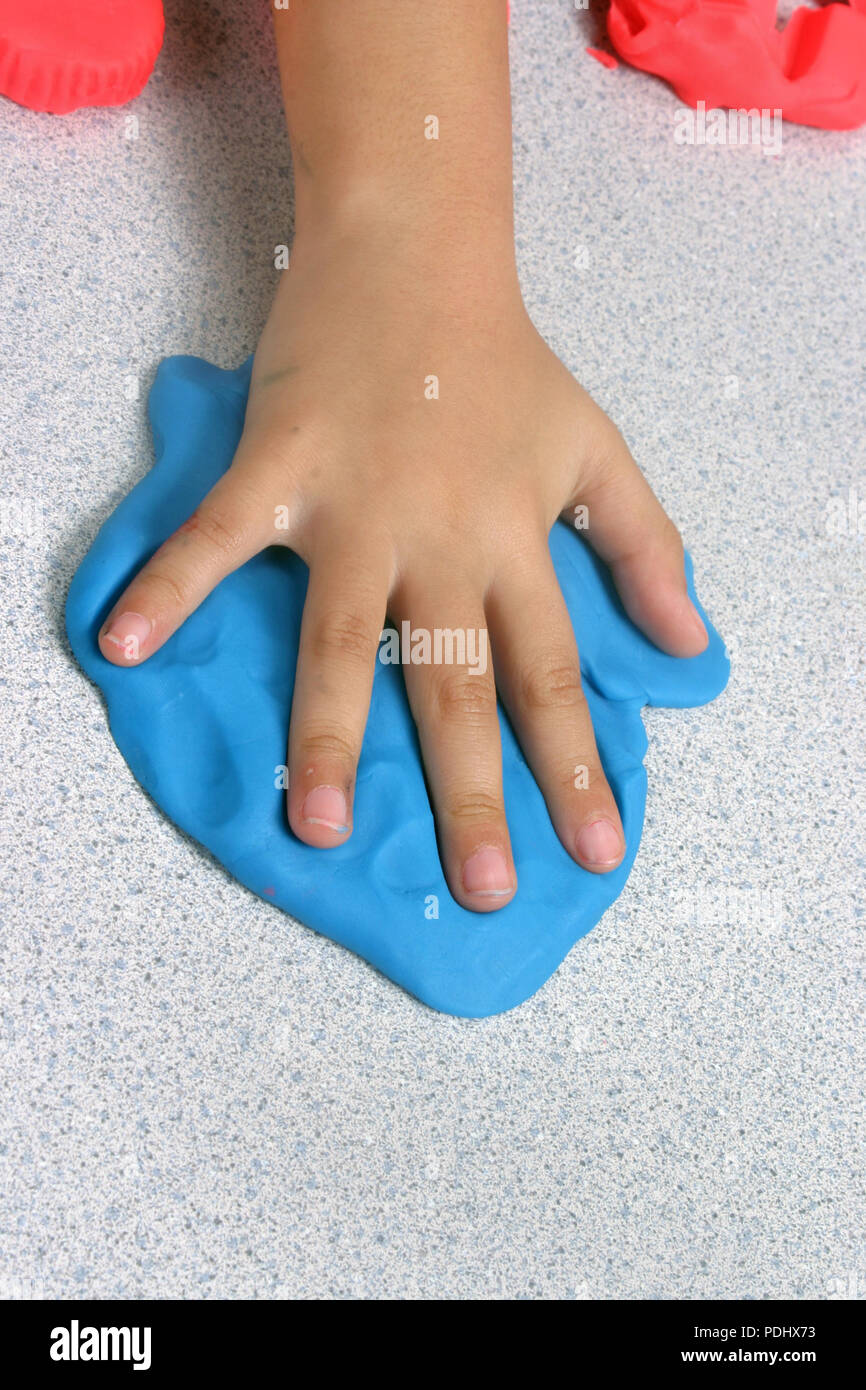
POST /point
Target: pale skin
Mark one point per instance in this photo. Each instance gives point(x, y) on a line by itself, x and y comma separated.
point(435, 510)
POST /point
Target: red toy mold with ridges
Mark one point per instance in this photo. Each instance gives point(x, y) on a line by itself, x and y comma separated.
point(58, 55)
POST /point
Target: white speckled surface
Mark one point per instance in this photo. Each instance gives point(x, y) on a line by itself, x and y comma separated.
point(201, 1098)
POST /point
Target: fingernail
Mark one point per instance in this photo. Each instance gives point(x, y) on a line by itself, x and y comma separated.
point(486, 873)
point(129, 631)
point(599, 843)
point(326, 806)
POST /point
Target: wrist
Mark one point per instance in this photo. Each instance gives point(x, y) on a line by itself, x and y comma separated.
point(445, 239)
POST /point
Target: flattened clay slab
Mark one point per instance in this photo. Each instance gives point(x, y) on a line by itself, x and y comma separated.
point(203, 726)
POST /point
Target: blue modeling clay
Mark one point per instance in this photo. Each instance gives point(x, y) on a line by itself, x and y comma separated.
point(203, 725)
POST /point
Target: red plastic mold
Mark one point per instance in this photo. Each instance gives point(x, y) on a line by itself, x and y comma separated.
point(607, 60)
point(729, 53)
point(57, 55)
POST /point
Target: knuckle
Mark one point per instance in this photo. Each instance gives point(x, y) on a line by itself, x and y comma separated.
point(464, 698)
point(327, 745)
point(608, 449)
point(221, 531)
point(553, 685)
point(343, 634)
point(587, 777)
point(473, 806)
point(164, 590)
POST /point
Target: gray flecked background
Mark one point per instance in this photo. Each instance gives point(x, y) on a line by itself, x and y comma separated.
point(201, 1098)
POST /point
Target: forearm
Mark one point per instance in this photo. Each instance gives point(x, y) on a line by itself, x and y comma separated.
point(360, 80)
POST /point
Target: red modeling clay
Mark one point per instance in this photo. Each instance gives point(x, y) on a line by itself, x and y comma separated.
point(607, 60)
point(728, 53)
point(56, 55)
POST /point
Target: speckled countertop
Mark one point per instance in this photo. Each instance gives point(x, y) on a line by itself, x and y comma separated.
point(201, 1098)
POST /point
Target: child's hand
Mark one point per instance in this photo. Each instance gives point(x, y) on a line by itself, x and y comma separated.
point(437, 506)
